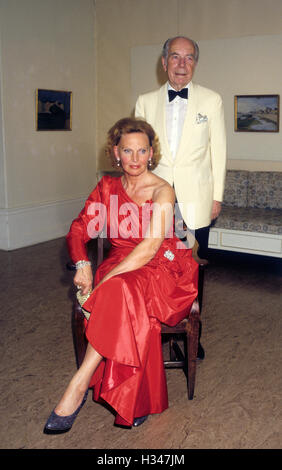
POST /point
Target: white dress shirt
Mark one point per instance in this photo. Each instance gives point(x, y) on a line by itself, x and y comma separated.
point(175, 116)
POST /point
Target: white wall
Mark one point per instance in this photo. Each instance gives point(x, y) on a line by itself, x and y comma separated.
point(220, 26)
point(231, 66)
point(86, 46)
point(45, 44)
point(2, 162)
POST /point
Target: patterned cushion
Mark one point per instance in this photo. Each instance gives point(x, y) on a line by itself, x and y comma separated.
point(265, 189)
point(250, 219)
point(236, 188)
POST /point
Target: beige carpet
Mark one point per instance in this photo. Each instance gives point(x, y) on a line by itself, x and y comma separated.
point(237, 402)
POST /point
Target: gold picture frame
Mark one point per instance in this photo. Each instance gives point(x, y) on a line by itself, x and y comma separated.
point(53, 110)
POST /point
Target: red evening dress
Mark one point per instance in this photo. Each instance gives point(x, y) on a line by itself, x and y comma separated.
point(127, 310)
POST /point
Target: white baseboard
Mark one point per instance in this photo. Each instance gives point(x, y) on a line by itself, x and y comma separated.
point(246, 242)
point(31, 225)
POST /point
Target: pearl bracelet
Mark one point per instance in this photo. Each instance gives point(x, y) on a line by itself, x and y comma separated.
point(82, 263)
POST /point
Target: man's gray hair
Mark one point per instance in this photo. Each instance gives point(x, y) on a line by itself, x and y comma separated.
point(169, 41)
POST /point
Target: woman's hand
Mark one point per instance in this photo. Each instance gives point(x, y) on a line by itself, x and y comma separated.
point(83, 279)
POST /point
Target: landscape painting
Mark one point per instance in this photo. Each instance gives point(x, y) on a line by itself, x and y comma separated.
point(257, 113)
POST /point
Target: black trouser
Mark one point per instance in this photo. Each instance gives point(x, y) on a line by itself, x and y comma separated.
point(202, 237)
point(201, 234)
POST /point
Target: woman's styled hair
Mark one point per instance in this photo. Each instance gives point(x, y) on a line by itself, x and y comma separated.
point(128, 126)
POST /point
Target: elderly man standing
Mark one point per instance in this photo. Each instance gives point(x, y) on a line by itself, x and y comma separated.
point(189, 122)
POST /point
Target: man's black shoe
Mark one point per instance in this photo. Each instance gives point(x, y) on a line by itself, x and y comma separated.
point(201, 352)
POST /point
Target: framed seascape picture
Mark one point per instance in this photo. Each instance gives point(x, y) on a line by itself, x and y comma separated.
point(256, 113)
point(53, 110)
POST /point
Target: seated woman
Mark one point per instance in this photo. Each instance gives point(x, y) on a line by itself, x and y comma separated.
point(148, 278)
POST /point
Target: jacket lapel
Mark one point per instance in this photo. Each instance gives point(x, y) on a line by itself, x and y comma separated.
point(161, 120)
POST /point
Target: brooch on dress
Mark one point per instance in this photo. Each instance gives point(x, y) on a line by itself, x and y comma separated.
point(169, 255)
point(200, 118)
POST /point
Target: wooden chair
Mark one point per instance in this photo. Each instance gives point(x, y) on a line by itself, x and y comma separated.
point(186, 332)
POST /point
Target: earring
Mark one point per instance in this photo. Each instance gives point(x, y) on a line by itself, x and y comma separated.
point(150, 163)
point(118, 163)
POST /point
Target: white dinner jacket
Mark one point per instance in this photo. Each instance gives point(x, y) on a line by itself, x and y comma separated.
point(198, 170)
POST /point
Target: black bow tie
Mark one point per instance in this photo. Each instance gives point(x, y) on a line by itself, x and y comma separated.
point(182, 93)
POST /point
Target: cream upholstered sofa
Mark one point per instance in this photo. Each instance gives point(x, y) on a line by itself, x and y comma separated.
point(251, 216)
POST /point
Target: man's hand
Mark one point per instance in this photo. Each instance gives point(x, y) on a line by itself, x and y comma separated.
point(216, 208)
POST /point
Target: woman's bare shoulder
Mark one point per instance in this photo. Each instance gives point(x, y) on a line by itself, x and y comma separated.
point(162, 189)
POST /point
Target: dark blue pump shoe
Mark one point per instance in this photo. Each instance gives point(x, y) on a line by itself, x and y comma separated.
point(59, 424)
point(139, 421)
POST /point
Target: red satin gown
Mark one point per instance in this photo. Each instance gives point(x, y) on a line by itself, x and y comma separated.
point(127, 309)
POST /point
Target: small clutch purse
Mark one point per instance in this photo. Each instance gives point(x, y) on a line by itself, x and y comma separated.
point(81, 300)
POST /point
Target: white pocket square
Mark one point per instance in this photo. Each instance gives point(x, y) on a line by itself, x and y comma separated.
point(200, 118)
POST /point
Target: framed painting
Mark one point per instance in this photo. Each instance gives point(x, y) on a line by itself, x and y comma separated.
point(53, 110)
point(256, 113)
